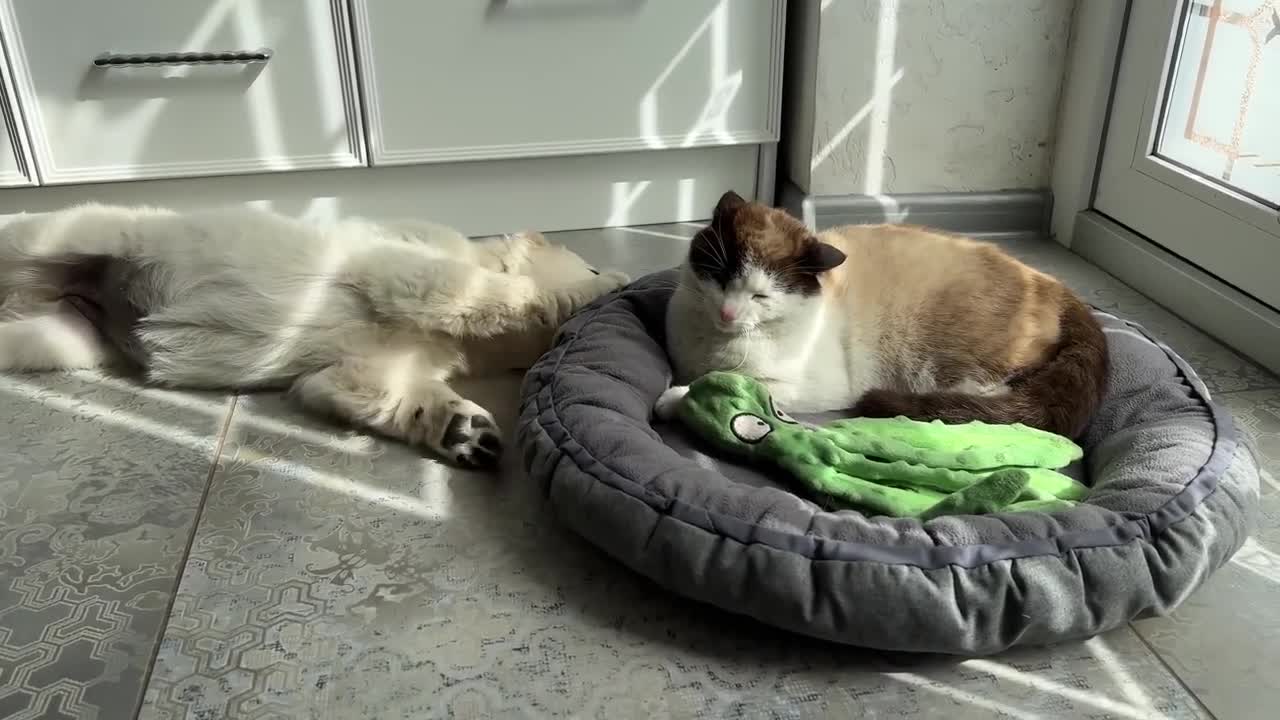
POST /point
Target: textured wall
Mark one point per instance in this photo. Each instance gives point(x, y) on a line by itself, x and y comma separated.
point(968, 95)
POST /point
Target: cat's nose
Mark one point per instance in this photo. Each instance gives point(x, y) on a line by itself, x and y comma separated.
point(728, 314)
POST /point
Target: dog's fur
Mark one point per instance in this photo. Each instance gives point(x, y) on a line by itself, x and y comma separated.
point(363, 321)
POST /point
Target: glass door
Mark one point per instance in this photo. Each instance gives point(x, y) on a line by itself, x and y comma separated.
point(1192, 154)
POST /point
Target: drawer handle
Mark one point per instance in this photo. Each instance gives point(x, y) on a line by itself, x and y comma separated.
point(496, 7)
point(235, 57)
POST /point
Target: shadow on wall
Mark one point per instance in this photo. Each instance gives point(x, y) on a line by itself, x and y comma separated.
point(928, 96)
point(852, 145)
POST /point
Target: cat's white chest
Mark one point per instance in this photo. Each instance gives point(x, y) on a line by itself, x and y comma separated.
point(808, 367)
point(810, 374)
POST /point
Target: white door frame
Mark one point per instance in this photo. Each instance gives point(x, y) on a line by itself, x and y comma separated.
point(1093, 56)
point(1209, 224)
point(1093, 60)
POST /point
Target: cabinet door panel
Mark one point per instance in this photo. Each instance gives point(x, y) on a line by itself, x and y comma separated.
point(467, 80)
point(297, 110)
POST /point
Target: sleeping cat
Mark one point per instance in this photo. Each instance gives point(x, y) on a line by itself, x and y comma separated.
point(885, 319)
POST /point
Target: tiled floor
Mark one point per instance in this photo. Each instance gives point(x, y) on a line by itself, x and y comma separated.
point(324, 574)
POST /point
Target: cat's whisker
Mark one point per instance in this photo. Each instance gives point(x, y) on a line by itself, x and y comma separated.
point(722, 252)
point(682, 284)
point(679, 285)
point(676, 286)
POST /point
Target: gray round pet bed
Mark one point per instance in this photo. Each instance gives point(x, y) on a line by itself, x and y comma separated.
point(1173, 495)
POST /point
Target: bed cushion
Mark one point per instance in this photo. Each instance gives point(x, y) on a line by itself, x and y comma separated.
point(1173, 495)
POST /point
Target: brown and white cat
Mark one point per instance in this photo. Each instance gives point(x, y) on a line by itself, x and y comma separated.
point(884, 319)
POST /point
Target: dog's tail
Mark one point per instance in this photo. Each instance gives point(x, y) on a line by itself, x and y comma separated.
point(46, 251)
point(1060, 395)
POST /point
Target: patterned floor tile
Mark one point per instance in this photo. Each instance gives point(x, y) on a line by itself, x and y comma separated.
point(338, 577)
point(99, 487)
point(334, 575)
point(1225, 641)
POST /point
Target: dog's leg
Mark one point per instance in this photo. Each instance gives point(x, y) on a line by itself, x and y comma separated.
point(508, 254)
point(520, 306)
point(404, 397)
point(465, 301)
point(60, 338)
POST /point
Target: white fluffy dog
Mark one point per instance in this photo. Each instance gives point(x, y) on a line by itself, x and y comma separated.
point(360, 320)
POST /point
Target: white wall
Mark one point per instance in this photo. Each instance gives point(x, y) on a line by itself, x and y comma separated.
point(927, 95)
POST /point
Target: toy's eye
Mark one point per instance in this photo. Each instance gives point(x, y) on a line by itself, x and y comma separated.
point(778, 413)
point(749, 428)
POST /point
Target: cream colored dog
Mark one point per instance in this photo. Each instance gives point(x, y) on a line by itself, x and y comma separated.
point(360, 320)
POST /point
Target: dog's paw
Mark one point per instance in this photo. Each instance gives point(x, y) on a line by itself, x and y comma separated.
point(531, 238)
point(669, 402)
point(470, 437)
point(518, 249)
point(611, 280)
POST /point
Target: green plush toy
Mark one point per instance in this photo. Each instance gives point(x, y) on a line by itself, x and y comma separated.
point(888, 466)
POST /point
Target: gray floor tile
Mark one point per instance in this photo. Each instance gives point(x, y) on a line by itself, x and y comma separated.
point(336, 577)
point(99, 485)
point(1225, 641)
point(635, 250)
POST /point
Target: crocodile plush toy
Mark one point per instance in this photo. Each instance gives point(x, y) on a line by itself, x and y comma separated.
point(887, 466)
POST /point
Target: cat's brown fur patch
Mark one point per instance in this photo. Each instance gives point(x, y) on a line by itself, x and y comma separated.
point(742, 232)
point(772, 240)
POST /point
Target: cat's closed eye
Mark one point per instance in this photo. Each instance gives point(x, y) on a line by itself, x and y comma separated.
point(759, 296)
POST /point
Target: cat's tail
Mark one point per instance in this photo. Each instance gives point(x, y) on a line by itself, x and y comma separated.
point(1060, 395)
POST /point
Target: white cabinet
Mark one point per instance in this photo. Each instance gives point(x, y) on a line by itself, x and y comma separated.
point(89, 123)
point(15, 169)
point(488, 115)
point(525, 78)
point(11, 170)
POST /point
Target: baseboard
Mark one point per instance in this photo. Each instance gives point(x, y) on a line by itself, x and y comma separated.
point(478, 198)
point(982, 213)
point(1230, 316)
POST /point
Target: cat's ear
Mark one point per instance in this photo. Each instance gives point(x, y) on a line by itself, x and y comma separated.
point(729, 203)
point(821, 257)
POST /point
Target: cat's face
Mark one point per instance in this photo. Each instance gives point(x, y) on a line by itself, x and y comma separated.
point(753, 265)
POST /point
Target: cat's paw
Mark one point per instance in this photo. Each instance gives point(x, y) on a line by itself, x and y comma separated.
point(469, 437)
point(669, 402)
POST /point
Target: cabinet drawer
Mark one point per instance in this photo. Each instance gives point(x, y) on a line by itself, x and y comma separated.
point(297, 110)
point(470, 79)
